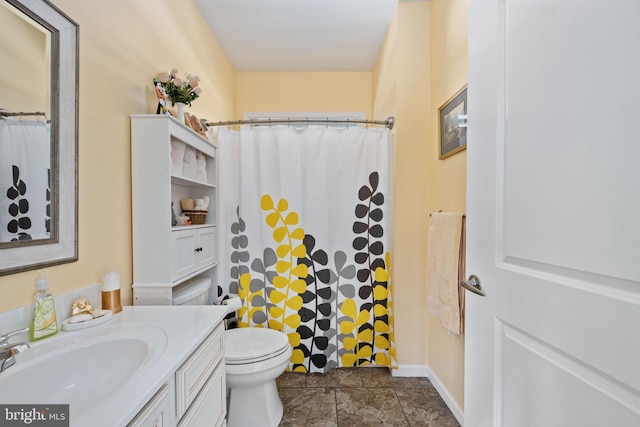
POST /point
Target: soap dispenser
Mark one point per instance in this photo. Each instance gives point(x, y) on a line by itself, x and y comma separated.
point(43, 321)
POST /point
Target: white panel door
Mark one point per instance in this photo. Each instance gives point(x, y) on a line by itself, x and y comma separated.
point(553, 214)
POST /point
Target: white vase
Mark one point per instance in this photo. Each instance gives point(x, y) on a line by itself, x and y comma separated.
point(180, 112)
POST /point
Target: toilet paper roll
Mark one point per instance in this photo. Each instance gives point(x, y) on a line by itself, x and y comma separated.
point(233, 304)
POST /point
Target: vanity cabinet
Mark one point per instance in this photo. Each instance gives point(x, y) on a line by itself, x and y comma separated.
point(195, 395)
point(165, 256)
point(156, 413)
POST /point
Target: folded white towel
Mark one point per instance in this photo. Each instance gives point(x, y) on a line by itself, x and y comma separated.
point(177, 157)
point(201, 167)
point(189, 164)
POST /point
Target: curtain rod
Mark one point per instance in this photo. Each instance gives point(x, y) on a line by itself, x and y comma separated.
point(387, 123)
point(10, 114)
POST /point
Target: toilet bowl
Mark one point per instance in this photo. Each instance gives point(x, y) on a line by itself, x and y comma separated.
point(254, 358)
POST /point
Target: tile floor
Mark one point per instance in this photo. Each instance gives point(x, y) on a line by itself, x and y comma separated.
point(361, 397)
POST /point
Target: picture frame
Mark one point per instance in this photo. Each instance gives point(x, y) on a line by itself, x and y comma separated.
point(452, 124)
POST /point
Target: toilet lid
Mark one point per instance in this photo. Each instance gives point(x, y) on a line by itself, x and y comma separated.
point(248, 345)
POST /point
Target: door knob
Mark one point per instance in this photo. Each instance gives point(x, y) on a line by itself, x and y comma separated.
point(473, 284)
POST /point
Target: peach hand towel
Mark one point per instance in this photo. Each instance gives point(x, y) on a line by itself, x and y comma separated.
point(445, 269)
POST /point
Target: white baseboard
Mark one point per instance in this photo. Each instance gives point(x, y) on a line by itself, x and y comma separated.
point(425, 371)
point(411, 371)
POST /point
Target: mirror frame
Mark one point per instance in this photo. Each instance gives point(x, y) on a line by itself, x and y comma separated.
point(62, 247)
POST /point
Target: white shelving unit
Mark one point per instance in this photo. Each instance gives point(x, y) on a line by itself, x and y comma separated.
point(165, 256)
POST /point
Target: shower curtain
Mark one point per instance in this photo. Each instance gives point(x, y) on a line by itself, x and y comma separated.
point(304, 239)
point(25, 193)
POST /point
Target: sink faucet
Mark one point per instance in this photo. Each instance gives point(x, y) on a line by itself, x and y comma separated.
point(8, 351)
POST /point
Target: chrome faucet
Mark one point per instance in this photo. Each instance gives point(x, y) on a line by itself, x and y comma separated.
point(8, 351)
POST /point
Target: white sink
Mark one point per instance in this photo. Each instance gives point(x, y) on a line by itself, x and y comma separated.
point(83, 368)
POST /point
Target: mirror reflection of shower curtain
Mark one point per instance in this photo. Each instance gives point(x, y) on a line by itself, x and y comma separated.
point(24, 180)
point(305, 239)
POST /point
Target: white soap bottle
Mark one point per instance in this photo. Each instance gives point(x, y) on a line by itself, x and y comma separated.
point(43, 320)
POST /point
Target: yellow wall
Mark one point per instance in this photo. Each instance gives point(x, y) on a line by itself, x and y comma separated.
point(303, 91)
point(448, 177)
point(421, 65)
point(123, 44)
point(401, 87)
point(25, 61)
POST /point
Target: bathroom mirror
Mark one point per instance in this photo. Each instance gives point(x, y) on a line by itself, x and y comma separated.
point(38, 136)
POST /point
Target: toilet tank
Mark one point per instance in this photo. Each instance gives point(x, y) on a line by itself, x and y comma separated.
point(192, 292)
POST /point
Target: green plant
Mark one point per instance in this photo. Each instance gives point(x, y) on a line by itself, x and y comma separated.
point(180, 90)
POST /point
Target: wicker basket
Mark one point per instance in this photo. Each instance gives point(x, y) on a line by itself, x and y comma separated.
point(196, 217)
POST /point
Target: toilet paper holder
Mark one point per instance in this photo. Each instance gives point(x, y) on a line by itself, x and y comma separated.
point(233, 303)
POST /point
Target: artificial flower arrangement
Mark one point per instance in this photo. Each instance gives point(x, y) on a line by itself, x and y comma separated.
point(179, 90)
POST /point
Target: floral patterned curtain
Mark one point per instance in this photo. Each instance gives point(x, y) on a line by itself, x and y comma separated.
point(304, 239)
point(25, 180)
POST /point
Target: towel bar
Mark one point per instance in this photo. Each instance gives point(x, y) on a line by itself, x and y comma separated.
point(463, 215)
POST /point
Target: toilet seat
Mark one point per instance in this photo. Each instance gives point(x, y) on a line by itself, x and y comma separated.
point(245, 346)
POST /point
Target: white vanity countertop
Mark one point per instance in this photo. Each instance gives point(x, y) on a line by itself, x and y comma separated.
point(185, 327)
point(182, 328)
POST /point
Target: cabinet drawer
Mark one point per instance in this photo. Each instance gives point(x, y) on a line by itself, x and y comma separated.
point(209, 408)
point(193, 374)
point(156, 412)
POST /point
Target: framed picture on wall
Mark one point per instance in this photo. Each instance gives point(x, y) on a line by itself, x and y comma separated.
point(453, 124)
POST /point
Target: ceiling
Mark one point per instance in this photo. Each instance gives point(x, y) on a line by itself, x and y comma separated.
point(299, 35)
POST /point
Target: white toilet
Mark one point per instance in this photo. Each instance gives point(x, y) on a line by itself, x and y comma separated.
point(254, 358)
